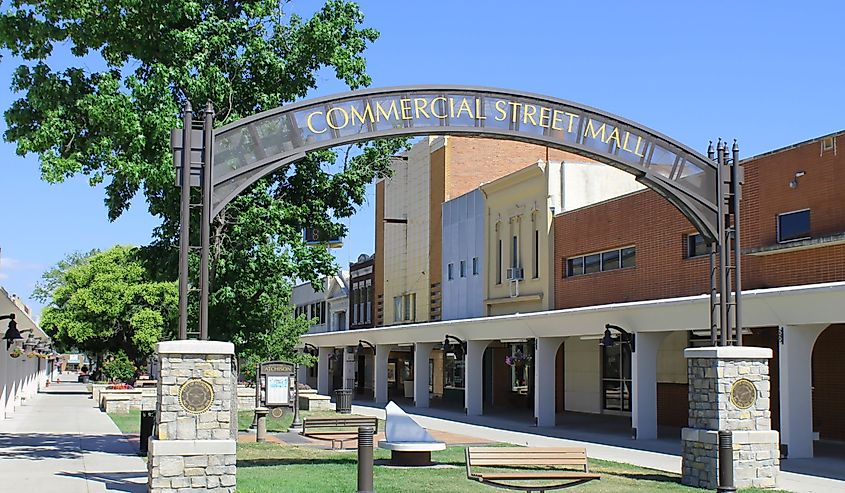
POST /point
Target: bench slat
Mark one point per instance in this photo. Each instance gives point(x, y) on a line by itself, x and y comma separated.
point(532, 454)
point(524, 450)
point(528, 462)
point(539, 475)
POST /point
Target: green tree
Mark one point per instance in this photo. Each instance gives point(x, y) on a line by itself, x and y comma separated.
point(106, 302)
point(113, 124)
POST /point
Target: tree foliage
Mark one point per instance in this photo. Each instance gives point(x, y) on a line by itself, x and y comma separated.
point(106, 302)
point(113, 124)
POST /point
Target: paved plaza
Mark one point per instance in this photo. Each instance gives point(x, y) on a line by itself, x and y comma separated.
point(59, 442)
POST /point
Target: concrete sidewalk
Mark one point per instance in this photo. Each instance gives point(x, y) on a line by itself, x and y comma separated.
point(500, 430)
point(59, 443)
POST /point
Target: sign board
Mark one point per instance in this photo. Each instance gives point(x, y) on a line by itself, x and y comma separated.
point(276, 384)
point(278, 391)
point(73, 358)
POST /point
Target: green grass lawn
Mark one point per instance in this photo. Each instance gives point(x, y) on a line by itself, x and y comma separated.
point(127, 422)
point(270, 468)
point(266, 468)
point(131, 422)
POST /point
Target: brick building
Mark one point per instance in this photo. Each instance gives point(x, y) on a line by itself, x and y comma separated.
point(636, 262)
point(793, 234)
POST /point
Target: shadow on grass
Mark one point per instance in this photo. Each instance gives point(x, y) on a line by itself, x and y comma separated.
point(662, 478)
point(296, 462)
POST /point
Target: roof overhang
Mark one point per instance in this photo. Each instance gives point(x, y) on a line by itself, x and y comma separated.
point(796, 305)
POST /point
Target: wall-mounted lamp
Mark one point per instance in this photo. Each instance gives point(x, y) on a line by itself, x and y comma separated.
point(447, 346)
point(370, 345)
point(12, 333)
point(624, 337)
point(310, 349)
point(31, 342)
point(793, 184)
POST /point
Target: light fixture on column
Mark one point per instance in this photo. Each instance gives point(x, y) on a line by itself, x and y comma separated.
point(793, 184)
point(362, 343)
point(310, 349)
point(624, 336)
point(447, 346)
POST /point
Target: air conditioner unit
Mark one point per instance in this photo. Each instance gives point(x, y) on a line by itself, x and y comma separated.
point(515, 274)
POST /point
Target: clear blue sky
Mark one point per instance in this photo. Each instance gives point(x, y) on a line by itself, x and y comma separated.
point(768, 73)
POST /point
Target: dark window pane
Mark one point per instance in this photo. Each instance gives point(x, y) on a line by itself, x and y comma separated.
point(611, 361)
point(592, 263)
point(629, 257)
point(696, 246)
point(575, 266)
point(794, 226)
point(610, 260)
point(625, 349)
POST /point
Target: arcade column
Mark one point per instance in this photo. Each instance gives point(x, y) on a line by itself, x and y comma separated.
point(422, 353)
point(196, 419)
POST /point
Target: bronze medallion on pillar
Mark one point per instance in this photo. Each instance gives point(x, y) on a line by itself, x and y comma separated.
point(743, 393)
point(196, 396)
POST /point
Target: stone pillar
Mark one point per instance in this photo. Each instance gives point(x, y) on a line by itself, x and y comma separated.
point(644, 380)
point(474, 381)
point(545, 379)
point(196, 419)
point(729, 390)
point(323, 370)
point(796, 388)
point(349, 367)
point(380, 373)
point(422, 353)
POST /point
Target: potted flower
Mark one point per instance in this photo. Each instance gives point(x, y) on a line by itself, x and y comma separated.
point(16, 353)
point(518, 359)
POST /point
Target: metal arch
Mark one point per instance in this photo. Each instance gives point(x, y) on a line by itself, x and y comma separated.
point(248, 149)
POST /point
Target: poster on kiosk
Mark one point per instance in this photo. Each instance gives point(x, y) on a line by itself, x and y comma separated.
point(277, 386)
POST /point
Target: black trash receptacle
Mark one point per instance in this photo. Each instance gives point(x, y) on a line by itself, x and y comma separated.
point(343, 401)
point(148, 421)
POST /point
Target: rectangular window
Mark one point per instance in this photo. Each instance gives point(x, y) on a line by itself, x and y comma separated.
point(610, 260)
point(410, 306)
point(592, 263)
point(463, 268)
point(696, 246)
point(475, 266)
point(575, 266)
point(619, 258)
point(397, 308)
point(616, 377)
point(794, 226)
point(515, 251)
point(450, 271)
point(536, 254)
point(499, 263)
point(629, 257)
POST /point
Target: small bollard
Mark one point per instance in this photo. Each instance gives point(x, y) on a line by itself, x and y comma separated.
point(261, 432)
point(726, 462)
point(365, 459)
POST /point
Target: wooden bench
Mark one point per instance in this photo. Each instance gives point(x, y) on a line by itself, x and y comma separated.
point(528, 464)
point(332, 428)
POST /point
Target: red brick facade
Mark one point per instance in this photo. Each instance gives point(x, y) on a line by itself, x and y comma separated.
point(658, 230)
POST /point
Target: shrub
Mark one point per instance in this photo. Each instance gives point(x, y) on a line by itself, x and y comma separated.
point(120, 368)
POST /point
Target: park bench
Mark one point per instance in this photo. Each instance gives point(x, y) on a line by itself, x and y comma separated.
point(337, 430)
point(539, 465)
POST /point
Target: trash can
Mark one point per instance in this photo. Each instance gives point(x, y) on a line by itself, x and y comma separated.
point(148, 421)
point(343, 401)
